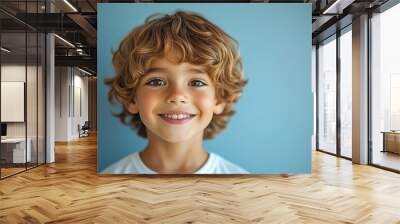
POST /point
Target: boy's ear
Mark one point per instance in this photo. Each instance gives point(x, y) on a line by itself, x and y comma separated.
point(219, 107)
point(132, 107)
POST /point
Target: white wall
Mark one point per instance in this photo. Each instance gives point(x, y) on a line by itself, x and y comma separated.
point(61, 103)
point(71, 93)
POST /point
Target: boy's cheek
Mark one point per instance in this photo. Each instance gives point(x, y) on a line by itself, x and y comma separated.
point(206, 103)
point(147, 102)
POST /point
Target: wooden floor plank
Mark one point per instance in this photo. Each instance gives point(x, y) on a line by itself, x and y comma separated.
point(70, 191)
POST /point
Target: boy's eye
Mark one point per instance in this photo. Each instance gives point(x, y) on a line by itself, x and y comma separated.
point(156, 82)
point(197, 83)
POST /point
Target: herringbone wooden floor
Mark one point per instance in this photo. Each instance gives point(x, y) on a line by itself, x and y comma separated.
point(69, 191)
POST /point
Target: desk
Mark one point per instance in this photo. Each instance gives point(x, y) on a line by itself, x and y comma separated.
point(16, 147)
point(391, 141)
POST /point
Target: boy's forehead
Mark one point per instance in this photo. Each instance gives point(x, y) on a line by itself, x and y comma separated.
point(167, 63)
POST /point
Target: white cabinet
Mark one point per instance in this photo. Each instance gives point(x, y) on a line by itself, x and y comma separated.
point(18, 149)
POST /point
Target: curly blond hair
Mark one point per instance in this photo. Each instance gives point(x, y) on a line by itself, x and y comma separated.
point(195, 40)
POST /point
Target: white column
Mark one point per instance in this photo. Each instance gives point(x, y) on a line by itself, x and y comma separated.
point(50, 92)
point(360, 90)
point(50, 110)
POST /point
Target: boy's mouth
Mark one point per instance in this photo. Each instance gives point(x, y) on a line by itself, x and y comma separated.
point(176, 117)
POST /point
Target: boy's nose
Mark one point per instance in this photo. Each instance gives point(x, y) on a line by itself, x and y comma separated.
point(177, 96)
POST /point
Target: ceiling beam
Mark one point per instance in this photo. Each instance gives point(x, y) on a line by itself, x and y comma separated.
point(84, 24)
point(337, 6)
point(83, 61)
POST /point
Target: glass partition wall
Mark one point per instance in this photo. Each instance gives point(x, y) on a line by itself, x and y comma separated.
point(334, 77)
point(22, 100)
point(327, 95)
point(385, 89)
point(334, 93)
point(345, 61)
point(13, 89)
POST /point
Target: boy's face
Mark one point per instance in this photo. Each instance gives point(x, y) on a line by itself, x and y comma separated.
point(176, 102)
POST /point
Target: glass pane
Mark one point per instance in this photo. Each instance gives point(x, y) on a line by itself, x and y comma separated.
point(31, 97)
point(386, 89)
point(23, 82)
point(313, 75)
point(41, 98)
point(13, 87)
point(327, 96)
point(346, 94)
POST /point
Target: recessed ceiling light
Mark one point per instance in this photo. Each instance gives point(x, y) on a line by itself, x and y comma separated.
point(84, 71)
point(70, 5)
point(337, 7)
point(5, 49)
point(64, 40)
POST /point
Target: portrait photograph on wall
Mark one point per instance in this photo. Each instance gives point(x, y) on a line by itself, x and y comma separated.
point(196, 88)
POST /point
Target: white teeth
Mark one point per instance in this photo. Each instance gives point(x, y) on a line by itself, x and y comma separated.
point(176, 116)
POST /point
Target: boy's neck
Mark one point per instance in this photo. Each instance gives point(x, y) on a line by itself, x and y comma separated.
point(184, 157)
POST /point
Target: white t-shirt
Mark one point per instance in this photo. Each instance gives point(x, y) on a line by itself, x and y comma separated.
point(133, 164)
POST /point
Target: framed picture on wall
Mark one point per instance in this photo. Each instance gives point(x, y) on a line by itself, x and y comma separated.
point(200, 88)
point(12, 101)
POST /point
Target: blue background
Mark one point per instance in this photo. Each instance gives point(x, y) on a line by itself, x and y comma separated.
point(271, 130)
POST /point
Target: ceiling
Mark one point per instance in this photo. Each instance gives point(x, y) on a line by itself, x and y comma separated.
point(76, 22)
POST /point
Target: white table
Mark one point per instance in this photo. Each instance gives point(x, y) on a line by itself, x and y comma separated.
point(18, 144)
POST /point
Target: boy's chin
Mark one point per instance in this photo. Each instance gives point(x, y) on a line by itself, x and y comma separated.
point(174, 136)
point(175, 139)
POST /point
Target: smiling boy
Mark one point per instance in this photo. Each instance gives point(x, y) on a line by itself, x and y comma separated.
point(177, 78)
